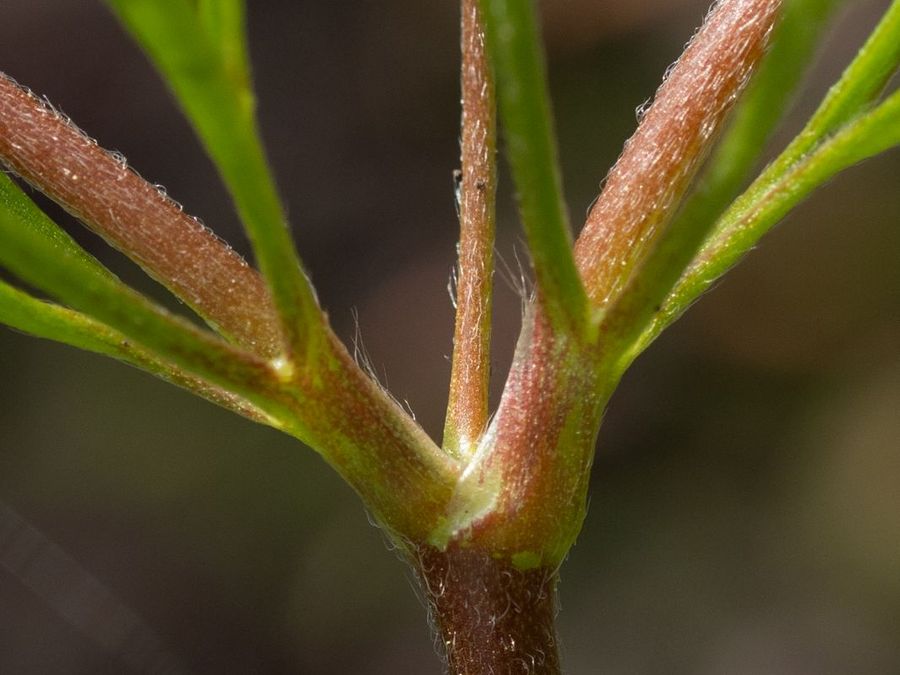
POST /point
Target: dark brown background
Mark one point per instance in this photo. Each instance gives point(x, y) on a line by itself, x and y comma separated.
point(745, 513)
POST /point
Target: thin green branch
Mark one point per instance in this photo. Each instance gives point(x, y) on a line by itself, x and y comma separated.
point(515, 50)
point(33, 252)
point(467, 408)
point(200, 51)
point(769, 200)
point(46, 320)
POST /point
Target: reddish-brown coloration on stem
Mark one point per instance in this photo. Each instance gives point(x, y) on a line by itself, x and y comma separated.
point(534, 461)
point(467, 409)
point(49, 152)
point(493, 618)
point(536, 455)
point(331, 403)
point(674, 135)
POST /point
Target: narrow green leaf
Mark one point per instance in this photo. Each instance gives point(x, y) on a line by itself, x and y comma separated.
point(764, 205)
point(861, 84)
point(858, 88)
point(22, 312)
point(516, 54)
point(224, 21)
point(200, 51)
point(20, 207)
point(818, 153)
point(43, 319)
point(33, 248)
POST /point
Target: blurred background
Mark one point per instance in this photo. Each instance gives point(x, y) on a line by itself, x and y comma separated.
point(745, 506)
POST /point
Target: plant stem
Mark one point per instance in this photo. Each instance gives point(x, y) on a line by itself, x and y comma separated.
point(492, 617)
point(467, 408)
point(660, 160)
point(137, 218)
point(516, 52)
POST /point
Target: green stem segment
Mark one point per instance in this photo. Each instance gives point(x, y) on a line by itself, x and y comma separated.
point(515, 48)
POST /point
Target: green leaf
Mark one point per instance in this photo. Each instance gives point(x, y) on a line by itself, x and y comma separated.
point(517, 58)
point(859, 86)
point(19, 207)
point(38, 252)
point(767, 203)
point(42, 319)
point(839, 134)
point(857, 89)
point(200, 49)
point(224, 21)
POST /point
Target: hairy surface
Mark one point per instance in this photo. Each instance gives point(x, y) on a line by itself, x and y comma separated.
point(467, 409)
point(98, 187)
point(674, 136)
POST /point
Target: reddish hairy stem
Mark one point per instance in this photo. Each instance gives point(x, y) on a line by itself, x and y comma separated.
point(533, 464)
point(467, 409)
point(329, 403)
point(52, 154)
point(535, 459)
point(493, 618)
point(674, 136)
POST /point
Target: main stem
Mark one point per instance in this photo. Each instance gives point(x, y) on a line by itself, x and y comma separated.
point(490, 616)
